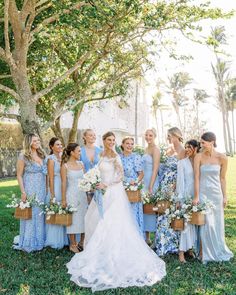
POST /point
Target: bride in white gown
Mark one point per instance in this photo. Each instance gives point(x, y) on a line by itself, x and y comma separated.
point(115, 254)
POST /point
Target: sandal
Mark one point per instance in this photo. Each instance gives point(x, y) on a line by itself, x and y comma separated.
point(80, 247)
point(74, 249)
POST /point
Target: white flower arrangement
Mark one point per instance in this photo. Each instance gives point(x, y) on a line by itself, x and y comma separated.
point(178, 213)
point(203, 207)
point(136, 186)
point(90, 180)
point(55, 208)
point(18, 203)
point(166, 193)
point(148, 198)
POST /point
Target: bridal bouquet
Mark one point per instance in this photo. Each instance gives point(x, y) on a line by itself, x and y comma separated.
point(90, 180)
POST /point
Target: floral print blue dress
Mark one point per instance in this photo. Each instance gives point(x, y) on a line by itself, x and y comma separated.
point(132, 165)
point(166, 239)
point(32, 231)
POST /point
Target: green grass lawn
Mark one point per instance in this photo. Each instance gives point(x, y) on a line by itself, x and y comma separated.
point(45, 272)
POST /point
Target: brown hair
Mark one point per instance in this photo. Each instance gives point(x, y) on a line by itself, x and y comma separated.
point(175, 131)
point(209, 136)
point(193, 143)
point(124, 140)
point(27, 153)
point(67, 151)
point(105, 136)
point(85, 133)
point(52, 141)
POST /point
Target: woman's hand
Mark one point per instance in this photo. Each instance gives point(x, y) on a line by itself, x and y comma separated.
point(63, 204)
point(225, 200)
point(23, 197)
point(150, 190)
point(101, 186)
point(195, 201)
point(132, 182)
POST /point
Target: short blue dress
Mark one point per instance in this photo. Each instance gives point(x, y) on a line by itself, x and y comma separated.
point(32, 231)
point(132, 165)
point(56, 236)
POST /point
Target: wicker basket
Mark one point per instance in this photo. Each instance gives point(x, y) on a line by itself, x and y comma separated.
point(134, 196)
point(23, 213)
point(198, 218)
point(148, 209)
point(63, 219)
point(51, 219)
point(177, 224)
point(161, 206)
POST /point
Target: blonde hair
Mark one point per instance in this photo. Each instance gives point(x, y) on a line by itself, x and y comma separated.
point(85, 133)
point(27, 152)
point(175, 131)
point(153, 130)
point(124, 140)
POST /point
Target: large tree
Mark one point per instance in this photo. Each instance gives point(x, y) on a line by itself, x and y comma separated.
point(58, 55)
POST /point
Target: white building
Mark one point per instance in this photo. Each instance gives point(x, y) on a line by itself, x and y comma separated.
point(110, 115)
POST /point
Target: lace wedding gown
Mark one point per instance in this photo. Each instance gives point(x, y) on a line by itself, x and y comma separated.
point(115, 254)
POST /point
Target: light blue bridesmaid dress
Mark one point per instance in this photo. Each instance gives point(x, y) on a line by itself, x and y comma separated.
point(32, 231)
point(87, 163)
point(56, 234)
point(149, 220)
point(212, 234)
point(132, 165)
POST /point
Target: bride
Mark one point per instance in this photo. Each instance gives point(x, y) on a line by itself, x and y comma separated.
point(115, 253)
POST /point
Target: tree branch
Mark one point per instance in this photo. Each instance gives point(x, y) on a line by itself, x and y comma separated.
point(55, 17)
point(6, 29)
point(10, 91)
point(10, 116)
point(5, 76)
point(60, 79)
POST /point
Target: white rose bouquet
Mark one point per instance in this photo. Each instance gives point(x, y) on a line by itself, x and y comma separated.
point(90, 180)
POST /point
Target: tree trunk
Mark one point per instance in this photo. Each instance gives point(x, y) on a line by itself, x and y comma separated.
point(74, 129)
point(198, 123)
point(158, 134)
point(233, 129)
point(162, 128)
point(136, 113)
point(56, 128)
point(229, 132)
point(224, 131)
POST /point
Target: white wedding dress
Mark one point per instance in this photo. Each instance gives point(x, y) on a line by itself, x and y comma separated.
point(115, 254)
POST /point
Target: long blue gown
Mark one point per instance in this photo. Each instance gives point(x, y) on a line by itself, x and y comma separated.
point(166, 239)
point(32, 231)
point(212, 234)
point(87, 163)
point(132, 165)
point(149, 220)
point(56, 234)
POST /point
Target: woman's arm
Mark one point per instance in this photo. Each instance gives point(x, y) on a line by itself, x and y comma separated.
point(63, 185)
point(20, 171)
point(224, 164)
point(51, 178)
point(156, 164)
point(197, 162)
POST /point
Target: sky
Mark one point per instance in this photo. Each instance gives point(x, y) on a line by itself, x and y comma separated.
point(200, 67)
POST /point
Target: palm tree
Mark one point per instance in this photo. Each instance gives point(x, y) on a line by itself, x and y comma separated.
point(199, 96)
point(177, 87)
point(231, 103)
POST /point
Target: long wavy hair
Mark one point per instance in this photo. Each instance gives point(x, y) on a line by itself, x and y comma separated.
point(27, 151)
point(67, 152)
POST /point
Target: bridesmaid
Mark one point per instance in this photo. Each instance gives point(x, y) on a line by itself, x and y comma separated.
point(71, 171)
point(31, 176)
point(185, 189)
point(167, 240)
point(151, 162)
point(132, 165)
point(89, 153)
point(55, 234)
point(210, 169)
